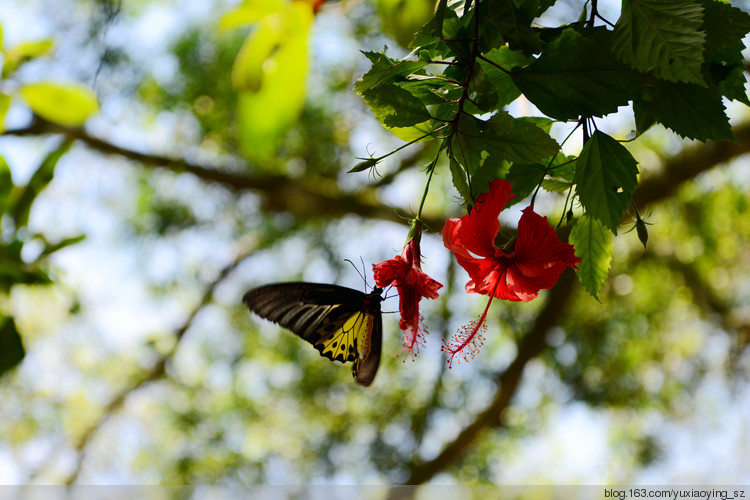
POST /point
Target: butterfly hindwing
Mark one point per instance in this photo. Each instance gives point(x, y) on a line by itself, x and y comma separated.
point(365, 369)
point(341, 323)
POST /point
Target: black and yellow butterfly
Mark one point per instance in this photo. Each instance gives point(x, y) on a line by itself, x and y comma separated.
point(341, 323)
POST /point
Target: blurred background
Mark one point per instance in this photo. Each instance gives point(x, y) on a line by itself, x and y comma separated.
point(216, 162)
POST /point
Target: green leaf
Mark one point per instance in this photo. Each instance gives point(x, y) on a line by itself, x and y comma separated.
point(577, 75)
point(643, 120)
point(4, 106)
point(25, 196)
point(690, 110)
point(662, 37)
point(395, 107)
point(6, 184)
point(486, 173)
point(400, 19)
point(249, 12)
point(439, 15)
point(458, 175)
point(725, 26)
point(500, 81)
point(432, 91)
point(514, 27)
point(733, 85)
point(416, 133)
point(50, 248)
point(593, 244)
point(14, 271)
point(66, 104)
point(25, 51)
point(11, 346)
point(524, 179)
point(561, 174)
point(606, 175)
point(385, 70)
point(501, 138)
point(273, 85)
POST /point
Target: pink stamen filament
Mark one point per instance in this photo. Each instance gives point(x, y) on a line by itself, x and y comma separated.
point(468, 339)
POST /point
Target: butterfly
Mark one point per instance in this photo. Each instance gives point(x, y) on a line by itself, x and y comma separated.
point(341, 323)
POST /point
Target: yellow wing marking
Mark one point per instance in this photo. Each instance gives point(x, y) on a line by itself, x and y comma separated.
point(339, 334)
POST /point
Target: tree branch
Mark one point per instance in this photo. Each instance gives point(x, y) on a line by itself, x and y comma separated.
point(688, 164)
point(304, 198)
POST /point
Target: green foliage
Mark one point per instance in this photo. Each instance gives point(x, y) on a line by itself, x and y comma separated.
point(663, 38)
point(692, 111)
point(66, 104)
point(673, 60)
point(24, 197)
point(4, 105)
point(578, 76)
point(11, 347)
point(593, 243)
point(606, 175)
point(25, 51)
point(270, 74)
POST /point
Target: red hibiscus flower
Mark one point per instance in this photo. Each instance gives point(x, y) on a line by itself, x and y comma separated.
point(535, 263)
point(405, 273)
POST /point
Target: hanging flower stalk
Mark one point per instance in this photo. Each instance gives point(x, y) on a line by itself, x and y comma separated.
point(405, 273)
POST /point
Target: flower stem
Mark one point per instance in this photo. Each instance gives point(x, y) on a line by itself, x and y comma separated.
point(431, 170)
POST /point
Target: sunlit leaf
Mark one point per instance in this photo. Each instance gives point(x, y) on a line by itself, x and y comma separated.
point(502, 137)
point(395, 107)
point(385, 70)
point(66, 104)
point(273, 80)
point(250, 11)
point(25, 51)
point(402, 19)
point(4, 106)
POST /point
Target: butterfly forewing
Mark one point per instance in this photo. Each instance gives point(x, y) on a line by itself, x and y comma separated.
point(341, 323)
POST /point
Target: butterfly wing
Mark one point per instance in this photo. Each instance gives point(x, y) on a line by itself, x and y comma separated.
point(341, 323)
point(365, 369)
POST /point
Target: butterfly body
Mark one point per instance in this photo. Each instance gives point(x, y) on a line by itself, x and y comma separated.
point(343, 324)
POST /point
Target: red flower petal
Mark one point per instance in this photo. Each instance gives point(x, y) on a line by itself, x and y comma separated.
point(479, 228)
point(388, 271)
point(405, 273)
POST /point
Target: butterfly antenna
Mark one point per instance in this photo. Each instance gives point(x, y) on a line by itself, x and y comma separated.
point(361, 274)
point(364, 272)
